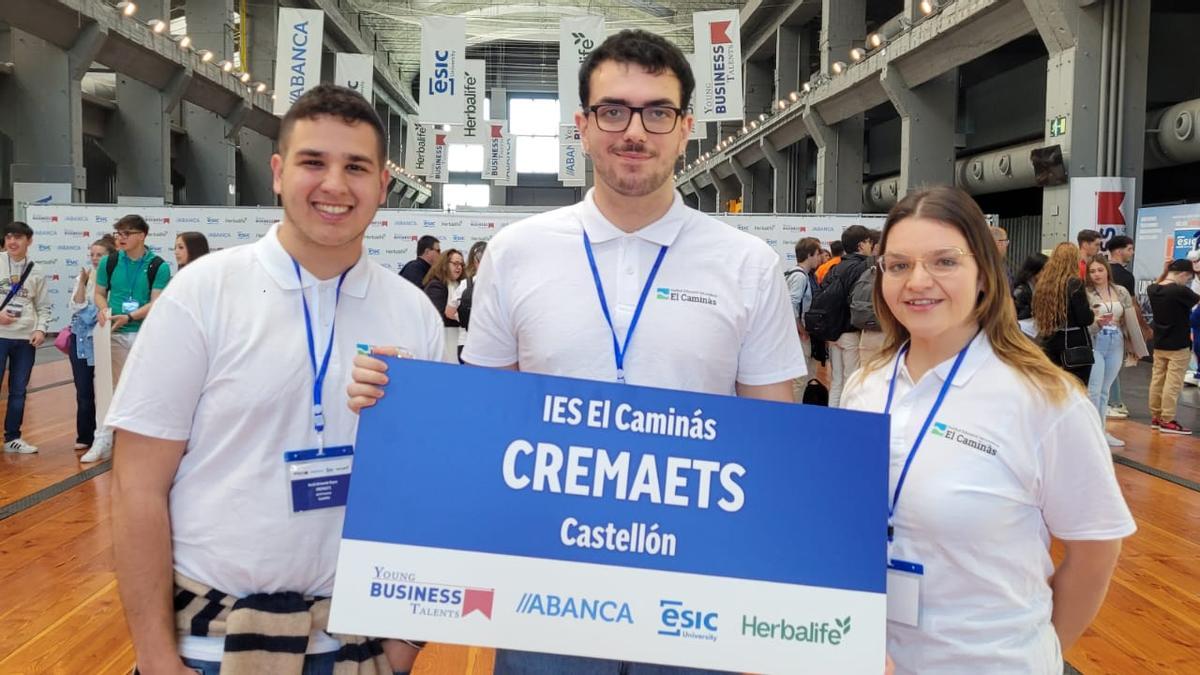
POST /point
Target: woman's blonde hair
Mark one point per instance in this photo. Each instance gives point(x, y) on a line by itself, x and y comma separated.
point(994, 309)
point(1050, 296)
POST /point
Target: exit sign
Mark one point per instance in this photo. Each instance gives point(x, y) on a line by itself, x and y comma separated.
point(1058, 126)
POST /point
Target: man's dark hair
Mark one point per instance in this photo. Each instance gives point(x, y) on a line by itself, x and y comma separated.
point(1118, 242)
point(18, 228)
point(875, 235)
point(806, 247)
point(836, 249)
point(341, 102)
point(652, 52)
point(132, 222)
point(1087, 236)
point(853, 236)
point(425, 243)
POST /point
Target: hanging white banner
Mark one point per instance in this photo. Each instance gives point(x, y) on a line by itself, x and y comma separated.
point(570, 153)
point(508, 174)
point(443, 52)
point(474, 88)
point(298, 54)
point(700, 129)
point(718, 38)
point(578, 36)
point(495, 167)
point(439, 170)
point(356, 71)
point(416, 149)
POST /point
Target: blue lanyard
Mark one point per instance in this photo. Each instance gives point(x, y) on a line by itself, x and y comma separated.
point(619, 350)
point(131, 277)
point(924, 427)
point(319, 373)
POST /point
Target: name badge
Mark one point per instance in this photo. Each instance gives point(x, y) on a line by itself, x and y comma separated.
point(904, 591)
point(130, 306)
point(15, 310)
point(318, 479)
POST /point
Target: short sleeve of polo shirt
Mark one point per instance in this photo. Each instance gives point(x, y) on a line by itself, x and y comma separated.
point(771, 350)
point(141, 403)
point(161, 277)
point(102, 271)
point(1080, 497)
point(491, 339)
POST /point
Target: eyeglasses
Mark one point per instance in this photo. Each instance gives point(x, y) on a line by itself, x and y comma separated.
point(939, 263)
point(126, 233)
point(656, 119)
point(457, 263)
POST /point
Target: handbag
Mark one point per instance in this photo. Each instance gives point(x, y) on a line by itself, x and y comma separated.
point(62, 342)
point(1077, 357)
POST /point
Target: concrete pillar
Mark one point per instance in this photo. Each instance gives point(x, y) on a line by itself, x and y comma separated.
point(262, 18)
point(843, 26)
point(927, 119)
point(43, 109)
point(788, 75)
point(1131, 157)
point(839, 163)
point(139, 139)
point(1074, 38)
point(254, 178)
point(760, 88)
point(781, 178)
point(706, 198)
point(745, 177)
point(208, 161)
point(727, 189)
point(499, 109)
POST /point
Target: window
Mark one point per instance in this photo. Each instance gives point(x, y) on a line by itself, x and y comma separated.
point(534, 123)
point(455, 195)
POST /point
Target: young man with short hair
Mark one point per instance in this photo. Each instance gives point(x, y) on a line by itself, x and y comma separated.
point(1120, 254)
point(204, 510)
point(24, 319)
point(858, 242)
point(1090, 242)
point(539, 292)
point(429, 249)
point(800, 283)
point(128, 283)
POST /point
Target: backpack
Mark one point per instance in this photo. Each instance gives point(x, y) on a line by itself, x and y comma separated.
point(829, 315)
point(862, 301)
point(815, 393)
point(807, 282)
point(110, 266)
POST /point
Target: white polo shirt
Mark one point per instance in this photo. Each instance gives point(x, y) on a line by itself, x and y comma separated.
point(999, 472)
point(718, 312)
point(239, 391)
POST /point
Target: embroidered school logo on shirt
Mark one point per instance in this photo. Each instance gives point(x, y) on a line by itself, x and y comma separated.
point(974, 441)
point(685, 295)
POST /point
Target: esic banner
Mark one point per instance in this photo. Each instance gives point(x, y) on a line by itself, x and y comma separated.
point(443, 50)
point(417, 150)
point(356, 71)
point(617, 521)
point(718, 39)
point(298, 55)
point(578, 36)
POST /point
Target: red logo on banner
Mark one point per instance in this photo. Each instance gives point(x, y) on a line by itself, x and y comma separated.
point(440, 139)
point(1108, 208)
point(497, 131)
point(718, 32)
point(166, 221)
point(54, 219)
point(476, 599)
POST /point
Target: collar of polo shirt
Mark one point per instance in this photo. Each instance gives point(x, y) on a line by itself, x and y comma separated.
point(977, 356)
point(662, 231)
point(278, 264)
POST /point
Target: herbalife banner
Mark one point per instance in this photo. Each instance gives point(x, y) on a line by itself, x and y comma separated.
point(1105, 204)
point(571, 163)
point(298, 55)
point(700, 129)
point(617, 521)
point(439, 169)
point(497, 151)
point(443, 50)
point(577, 37)
point(474, 88)
point(417, 156)
point(718, 38)
point(356, 71)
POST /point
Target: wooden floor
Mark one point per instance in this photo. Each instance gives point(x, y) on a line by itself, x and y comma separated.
point(59, 610)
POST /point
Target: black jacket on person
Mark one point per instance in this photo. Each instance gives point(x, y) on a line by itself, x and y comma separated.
point(841, 278)
point(1075, 334)
point(415, 271)
point(440, 295)
point(1172, 305)
point(1123, 277)
point(1023, 298)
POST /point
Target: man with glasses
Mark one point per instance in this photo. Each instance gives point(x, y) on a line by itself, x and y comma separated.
point(127, 284)
point(558, 292)
point(429, 249)
point(1001, 238)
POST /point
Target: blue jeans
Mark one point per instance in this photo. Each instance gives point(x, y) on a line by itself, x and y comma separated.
point(314, 664)
point(17, 355)
point(1109, 348)
point(85, 395)
point(509, 662)
point(1114, 394)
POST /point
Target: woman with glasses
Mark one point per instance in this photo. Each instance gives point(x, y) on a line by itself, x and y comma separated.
point(461, 302)
point(1062, 314)
point(441, 283)
point(1115, 333)
point(993, 450)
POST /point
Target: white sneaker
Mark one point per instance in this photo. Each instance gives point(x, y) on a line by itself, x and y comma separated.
point(1191, 380)
point(1113, 440)
point(101, 450)
point(1116, 413)
point(80, 446)
point(19, 446)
